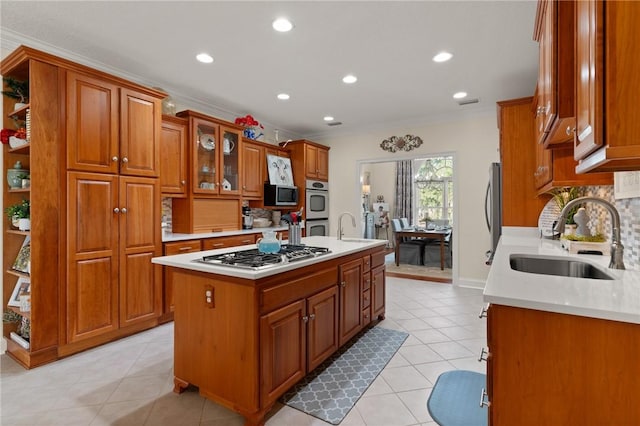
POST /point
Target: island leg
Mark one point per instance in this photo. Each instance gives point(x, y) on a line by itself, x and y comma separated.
point(179, 385)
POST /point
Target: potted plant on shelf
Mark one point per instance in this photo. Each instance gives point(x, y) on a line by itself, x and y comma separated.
point(20, 215)
point(562, 196)
point(18, 90)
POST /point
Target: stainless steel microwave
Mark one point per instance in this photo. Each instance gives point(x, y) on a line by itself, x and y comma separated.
point(280, 195)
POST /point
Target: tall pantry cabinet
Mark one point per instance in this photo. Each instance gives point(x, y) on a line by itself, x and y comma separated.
point(93, 159)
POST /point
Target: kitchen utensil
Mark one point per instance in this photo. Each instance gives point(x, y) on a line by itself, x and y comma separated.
point(268, 243)
point(208, 142)
point(295, 234)
point(227, 146)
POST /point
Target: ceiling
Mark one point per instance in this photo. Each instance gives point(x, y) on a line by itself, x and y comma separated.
point(387, 45)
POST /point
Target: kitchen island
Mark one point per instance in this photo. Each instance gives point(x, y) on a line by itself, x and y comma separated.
point(244, 336)
point(561, 350)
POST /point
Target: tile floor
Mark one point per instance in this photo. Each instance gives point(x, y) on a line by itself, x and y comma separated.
point(129, 382)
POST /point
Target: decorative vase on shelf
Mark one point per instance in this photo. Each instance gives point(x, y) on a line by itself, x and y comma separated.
point(581, 219)
point(24, 224)
point(15, 175)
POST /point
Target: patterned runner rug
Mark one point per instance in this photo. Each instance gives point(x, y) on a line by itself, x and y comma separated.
point(331, 390)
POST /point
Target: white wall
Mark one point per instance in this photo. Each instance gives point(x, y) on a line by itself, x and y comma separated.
point(474, 144)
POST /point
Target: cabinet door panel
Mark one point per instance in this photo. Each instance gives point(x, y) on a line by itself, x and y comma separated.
point(252, 163)
point(140, 283)
point(173, 159)
point(283, 350)
point(92, 291)
point(139, 298)
point(589, 74)
point(323, 326)
point(311, 164)
point(351, 276)
point(139, 134)
point(92, 124)
point(378, 289)
point(323, 164)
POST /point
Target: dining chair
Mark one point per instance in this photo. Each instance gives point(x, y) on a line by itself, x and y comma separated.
point(411, 251)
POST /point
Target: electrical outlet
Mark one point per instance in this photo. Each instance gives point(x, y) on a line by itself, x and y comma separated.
point(209, 297)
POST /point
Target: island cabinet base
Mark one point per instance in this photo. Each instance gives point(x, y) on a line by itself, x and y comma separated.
point(547, 368)
point(245, 342)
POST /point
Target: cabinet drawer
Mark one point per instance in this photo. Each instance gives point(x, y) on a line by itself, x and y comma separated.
point(180, 247)
point(366, 263)
point(298, 288)
point(366, 281)
point(366, 317)
point(377, 259)
point(366, 298)
point(222, 242)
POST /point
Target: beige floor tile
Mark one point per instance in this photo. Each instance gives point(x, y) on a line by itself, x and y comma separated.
point(419, 354)
point(430, 336)
point(77, 416)
point(212, 411)
point(124, 413)
point(404, 378)
point(139, 387)
point(378, 387)
point(450, 350)
point(416, 402)
point(413, 324)
point(433, 369)
point(385, 410)
point(287, 416)
point(173, 409)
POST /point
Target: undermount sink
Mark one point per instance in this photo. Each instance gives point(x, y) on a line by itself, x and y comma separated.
point(548, 265)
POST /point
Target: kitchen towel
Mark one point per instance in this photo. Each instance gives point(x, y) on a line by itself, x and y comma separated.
point(332, 389)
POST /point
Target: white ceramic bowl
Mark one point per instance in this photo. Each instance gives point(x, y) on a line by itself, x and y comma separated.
point(261, 223)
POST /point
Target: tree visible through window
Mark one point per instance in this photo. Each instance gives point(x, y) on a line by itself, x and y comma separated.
point(433, 185)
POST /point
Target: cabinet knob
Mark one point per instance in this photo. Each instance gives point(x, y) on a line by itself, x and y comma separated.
point(570, 130)
point(312, 316)
point(116, 210)
point(123, 210)
point(114, 158)
point(125, 160)
point(182, 182)
point(305, 318)
point(343, 284)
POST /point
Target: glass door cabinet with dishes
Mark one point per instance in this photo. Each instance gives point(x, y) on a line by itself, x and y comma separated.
point(214, 155)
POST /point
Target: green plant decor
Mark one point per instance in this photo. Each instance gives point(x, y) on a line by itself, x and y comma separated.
point(18, 90)
point(598, 238)
point(562, 196)
point(22, 210)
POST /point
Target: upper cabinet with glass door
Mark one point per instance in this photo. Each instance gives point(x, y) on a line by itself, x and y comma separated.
point(214, 155)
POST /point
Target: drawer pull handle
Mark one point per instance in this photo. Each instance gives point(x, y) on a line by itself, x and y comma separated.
point(218, 245)
point(483, 312)
point(482, 357)
point(185, 248)
point(483, 402)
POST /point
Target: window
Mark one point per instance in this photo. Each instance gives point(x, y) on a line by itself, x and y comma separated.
point(433, 188)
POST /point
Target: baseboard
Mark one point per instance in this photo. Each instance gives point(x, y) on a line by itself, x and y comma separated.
point(470, 283)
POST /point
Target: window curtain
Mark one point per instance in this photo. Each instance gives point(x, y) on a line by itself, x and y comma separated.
point(404, 189)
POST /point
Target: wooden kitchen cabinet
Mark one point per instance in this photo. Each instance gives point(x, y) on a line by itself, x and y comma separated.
point(262, 335)
point(520, 203)
point(296, 339)
point(309, 161)
point(350, 279)
point(549, 368)
point(214, 155)
point(111, 128)
point(555, 110)
point(231, 241)
point(378, 292)
point(253, 168)
point(92, 280)
point(198, 215)
point(113, 232)
point(173, 157)
point(169, 249)
point(607, 87)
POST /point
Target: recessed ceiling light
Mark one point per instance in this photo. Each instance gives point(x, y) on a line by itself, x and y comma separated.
point(459, 95)
point(283, 96)
point(328, 118)
point(349, 79)
point(442, 57)
point(282, 25)
point(205, 58)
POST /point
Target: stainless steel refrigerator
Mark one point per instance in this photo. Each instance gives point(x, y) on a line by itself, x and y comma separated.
point(493, 208)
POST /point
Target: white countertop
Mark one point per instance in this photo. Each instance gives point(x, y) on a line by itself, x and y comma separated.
point(168, 237)
point(337, 247)
point(617, 299)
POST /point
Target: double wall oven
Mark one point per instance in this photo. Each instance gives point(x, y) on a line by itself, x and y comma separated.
point(317, 207)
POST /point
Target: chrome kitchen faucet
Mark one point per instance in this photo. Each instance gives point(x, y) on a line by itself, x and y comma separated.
point(353, 222)
point(617, 249)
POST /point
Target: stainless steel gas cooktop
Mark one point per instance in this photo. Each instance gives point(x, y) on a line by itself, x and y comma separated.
point(253, 259)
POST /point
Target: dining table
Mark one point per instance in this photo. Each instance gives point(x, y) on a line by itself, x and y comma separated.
point(431, 234)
